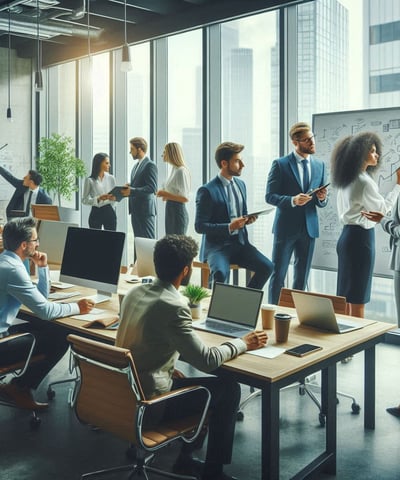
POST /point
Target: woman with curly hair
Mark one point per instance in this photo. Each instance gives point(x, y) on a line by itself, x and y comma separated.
point(353, 161)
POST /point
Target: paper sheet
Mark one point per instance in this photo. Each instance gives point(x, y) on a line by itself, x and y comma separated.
point(267, 352)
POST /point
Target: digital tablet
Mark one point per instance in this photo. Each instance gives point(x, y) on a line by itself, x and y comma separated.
point(318, 189)
point(261, 212)
point(116, 192)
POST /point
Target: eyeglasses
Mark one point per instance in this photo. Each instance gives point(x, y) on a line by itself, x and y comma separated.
point(307, 140)
point(36, 240)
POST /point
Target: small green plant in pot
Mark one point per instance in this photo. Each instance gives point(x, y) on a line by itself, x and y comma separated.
point(195, 294)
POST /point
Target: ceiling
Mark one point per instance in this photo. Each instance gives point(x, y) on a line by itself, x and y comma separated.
point(65, 26)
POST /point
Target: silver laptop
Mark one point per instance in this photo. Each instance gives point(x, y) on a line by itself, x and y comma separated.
point(318, 312)
point(233, 310)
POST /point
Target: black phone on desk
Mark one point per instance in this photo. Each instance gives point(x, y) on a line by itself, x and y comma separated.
point(302, 350)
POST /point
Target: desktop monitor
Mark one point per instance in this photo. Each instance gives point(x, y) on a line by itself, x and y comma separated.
point(144, 256)
point(92, 258)
point(52, 236)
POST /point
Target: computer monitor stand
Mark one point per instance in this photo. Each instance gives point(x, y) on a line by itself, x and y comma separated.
point(100, 297)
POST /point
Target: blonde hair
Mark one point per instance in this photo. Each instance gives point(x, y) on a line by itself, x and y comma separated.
point(298, 130)
point(174, 154)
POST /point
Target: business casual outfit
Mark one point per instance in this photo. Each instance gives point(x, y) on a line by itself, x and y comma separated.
point(356, 245)
point(176, 214)
point(102, 213)
point(156, 325)
point(295, 228)
point(217, 203)
point(22, 199)
point(142, 200)
point(16, 288)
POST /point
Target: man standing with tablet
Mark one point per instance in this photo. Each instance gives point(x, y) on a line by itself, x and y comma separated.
point(291, 187)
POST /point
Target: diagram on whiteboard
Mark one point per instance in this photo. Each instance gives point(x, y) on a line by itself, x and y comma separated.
point(328, 129)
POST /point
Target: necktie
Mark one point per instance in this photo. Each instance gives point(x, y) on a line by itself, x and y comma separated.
point(28, 203)
point(236, 210)
point(134, 170)
point(306, 177)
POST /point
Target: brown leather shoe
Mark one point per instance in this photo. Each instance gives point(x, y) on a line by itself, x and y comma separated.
point(21, 397)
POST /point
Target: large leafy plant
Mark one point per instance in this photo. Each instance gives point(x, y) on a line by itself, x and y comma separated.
point(59, 166)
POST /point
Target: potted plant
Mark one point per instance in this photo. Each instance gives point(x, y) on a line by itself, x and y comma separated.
point(59, 166)
point(195, 294)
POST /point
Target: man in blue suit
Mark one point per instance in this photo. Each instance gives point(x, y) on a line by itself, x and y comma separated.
point(221, 216)
point(27, 192)
point(289, 186)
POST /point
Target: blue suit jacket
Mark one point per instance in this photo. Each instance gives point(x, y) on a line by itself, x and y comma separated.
point(17, 199)
point(213, 215)
point(142, 199)
point(283, 184)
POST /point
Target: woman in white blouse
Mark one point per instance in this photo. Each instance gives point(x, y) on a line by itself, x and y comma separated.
point(95, 193)
point(353, 160)
point(176, 191)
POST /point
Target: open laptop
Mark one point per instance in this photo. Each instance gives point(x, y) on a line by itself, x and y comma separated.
point(315, 311)
point(233, 310)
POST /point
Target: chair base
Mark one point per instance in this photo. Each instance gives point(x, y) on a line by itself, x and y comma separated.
point(141, 468)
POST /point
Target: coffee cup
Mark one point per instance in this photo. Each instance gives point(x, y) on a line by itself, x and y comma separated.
point(282, 324)
point(267, 316)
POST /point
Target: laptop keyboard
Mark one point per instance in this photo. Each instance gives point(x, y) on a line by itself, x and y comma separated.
point(223, 328)
point(63, 295)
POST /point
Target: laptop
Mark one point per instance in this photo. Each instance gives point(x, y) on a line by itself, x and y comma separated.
point(315, 311)
point(233, 310)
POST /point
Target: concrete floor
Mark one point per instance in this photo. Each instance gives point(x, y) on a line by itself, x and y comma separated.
point(63, 449)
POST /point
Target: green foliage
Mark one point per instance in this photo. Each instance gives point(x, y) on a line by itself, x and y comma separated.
point(195, 293)
point(59, 167)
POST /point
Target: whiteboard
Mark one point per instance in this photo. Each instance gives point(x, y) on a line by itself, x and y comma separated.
point(328, 129)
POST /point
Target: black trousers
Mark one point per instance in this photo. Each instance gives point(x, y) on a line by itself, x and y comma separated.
point(51, 341)
point(103, 217)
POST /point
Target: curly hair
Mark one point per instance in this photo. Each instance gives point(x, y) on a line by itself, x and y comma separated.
point(349, 156)
point(172, 254)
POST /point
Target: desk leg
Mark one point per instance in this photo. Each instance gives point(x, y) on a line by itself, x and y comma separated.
point(369, 388)
point(270, 433)
point(328, 379)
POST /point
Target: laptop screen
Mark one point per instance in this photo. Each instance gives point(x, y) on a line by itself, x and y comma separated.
point(235, 304)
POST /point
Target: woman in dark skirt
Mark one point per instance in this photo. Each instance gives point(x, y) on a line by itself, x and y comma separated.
point(353, 161)
point(176, 191)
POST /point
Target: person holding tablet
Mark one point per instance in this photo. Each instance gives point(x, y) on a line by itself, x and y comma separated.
point(96, 193)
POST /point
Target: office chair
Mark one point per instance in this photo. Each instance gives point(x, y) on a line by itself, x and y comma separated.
point(19, 368)
point(307, 384)
point(111, 398)
point(45, 212)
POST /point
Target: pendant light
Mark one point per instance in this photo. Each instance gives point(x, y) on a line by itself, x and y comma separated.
point(126, 65)
point(38, 73)
point(9, 115)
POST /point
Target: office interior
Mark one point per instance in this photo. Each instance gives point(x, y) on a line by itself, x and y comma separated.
point(202, 72)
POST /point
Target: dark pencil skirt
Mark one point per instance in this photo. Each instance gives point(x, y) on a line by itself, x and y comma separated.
point(356, 259)
point(176, 218)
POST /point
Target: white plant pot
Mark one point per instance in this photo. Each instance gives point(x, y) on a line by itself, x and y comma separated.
point(196, 310)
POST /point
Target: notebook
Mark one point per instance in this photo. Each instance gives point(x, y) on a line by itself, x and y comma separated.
point(315, 311)
point(233, 310)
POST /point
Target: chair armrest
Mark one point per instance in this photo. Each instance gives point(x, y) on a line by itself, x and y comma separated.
point(173, 394)
point(21, 367)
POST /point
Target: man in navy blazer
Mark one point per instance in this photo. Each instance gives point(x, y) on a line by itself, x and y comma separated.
point(221, 216)
point(21, 199)
point(295, 228)
point(141, 190)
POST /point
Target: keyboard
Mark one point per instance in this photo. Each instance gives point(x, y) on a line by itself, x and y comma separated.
point(212, 324)
point(63, 295)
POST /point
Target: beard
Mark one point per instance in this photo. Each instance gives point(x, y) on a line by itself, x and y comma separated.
point(186, 278)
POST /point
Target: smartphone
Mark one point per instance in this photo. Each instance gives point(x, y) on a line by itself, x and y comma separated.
point(302, 350)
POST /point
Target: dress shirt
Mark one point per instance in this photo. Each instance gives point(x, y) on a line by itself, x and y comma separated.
point(178, 182)
point(93, 188)
point(16, 288)
point(156, 325)
point(299, 159)
point(227, 185)
point(363, 194)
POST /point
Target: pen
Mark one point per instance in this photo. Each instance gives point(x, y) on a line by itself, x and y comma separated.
point(1, 148)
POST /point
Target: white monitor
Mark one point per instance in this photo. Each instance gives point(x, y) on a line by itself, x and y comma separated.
point(144, 256)
point(92, 258)
point(52, 236)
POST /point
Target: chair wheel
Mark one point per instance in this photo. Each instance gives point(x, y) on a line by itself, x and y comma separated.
point(321, 418)
point(35, 423)
point(355, 408)
point(50, 393)
point(240, 416)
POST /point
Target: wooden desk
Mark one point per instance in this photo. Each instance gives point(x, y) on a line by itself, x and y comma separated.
point(270, 375)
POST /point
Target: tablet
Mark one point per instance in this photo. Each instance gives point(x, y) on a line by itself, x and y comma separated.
point(116, 191)
point(261, 212)
point(318, 189)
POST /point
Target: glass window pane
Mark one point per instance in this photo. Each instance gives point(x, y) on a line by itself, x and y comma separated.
point(101, 102)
